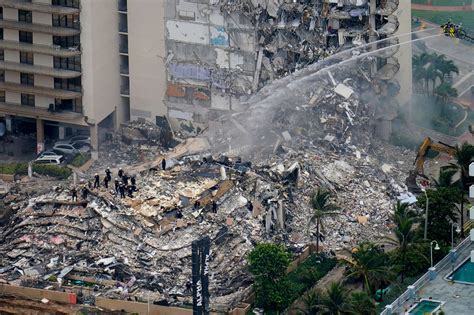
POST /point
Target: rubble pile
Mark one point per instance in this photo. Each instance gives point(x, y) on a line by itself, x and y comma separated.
point(134, 142)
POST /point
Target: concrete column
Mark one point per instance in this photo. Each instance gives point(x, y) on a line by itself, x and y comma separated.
point(388, 309)
point(411, 289)
point(94, 142)
point(432, 273)
point(8, 123)
point(373, 7)
point(281, 215)
point(62, 132)
point(39, 135)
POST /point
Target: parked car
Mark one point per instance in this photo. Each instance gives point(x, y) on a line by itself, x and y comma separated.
point(73, 148)
point(77, 139)
point(55, 160)
point(50, 153)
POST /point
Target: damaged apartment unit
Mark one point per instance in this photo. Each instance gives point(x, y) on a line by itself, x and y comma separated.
point(219, 52)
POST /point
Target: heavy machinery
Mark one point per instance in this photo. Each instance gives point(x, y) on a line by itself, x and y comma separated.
point(418, 171)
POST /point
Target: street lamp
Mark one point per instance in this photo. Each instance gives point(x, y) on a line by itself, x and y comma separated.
point(458, 230)
point(426, 214)
point(431, 251)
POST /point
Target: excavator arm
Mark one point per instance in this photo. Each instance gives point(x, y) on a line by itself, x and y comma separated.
point(425, 147)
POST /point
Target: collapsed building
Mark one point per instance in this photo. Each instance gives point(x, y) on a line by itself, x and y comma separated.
point(221, 52)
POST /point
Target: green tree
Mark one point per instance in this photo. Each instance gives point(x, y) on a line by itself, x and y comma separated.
point(443, 92)
point(441, 212)
point(336, 300)
point(312, 303)
point(464, 155)
point(322, 207)
point(362, 304)
point(370, 265)
point(404, 235)
point(268, 263)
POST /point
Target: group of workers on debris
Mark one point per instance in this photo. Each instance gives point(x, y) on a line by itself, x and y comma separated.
point(124, 184)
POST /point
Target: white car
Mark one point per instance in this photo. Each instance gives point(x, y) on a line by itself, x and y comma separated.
point(77, 139)
point(72, 148)
point(56, 160)
point(50, 153)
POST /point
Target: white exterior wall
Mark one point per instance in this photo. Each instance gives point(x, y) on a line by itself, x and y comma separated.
point(100, 58)
point(42, 18)
point(146, 42)
point(43, 60)
point(404, 55)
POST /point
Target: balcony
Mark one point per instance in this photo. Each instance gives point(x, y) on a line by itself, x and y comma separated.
point(39, 90)
point(123, 49)
point(36, 69)
point(124, 69)
point(42, 113)
point(125, 90)
point(51, 50)
point(38, 28)
point(122, 5)
point(38, 7)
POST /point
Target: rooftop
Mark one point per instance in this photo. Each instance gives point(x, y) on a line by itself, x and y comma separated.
point(457, 296)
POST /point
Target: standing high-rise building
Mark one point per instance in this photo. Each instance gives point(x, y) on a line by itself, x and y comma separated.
point(59, 66)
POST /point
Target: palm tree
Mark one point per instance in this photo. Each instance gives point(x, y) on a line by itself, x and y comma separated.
point(362, 304)
point(312, 302)
point(445, 66)
point(322, 207)
point(369, 265)
point(403, 233)
point(336, 300)
point(445, 178)
point(445, 91)
point(464, 155)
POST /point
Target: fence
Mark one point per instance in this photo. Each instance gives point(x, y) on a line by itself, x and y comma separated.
point(425, 278)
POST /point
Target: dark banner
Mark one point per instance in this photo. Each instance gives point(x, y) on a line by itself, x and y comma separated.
point(200, 275)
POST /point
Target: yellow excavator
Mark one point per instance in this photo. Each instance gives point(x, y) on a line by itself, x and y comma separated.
point(425, 147)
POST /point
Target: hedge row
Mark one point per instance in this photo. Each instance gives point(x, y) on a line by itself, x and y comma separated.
point(49, 170)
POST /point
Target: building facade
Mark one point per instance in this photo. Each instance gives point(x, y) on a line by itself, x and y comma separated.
point(59, 73)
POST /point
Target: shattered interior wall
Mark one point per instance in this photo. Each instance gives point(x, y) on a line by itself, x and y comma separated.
point(220, 51)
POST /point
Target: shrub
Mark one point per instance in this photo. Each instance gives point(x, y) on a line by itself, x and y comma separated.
point(80, 159)
point(52, 170)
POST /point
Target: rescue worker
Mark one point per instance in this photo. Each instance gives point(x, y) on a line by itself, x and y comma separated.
point(125, 179)
point(108, 173)
point(117, 183)
point(122, 190)
point(120, 173)
point(106, 181)
point(133, 180)
point(84, 192)
point(163, 164)
point(130, 191)
point(214, 206)
point(96, 180)
point(74, 194)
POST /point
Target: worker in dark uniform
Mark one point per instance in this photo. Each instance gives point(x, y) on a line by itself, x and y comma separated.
point(163, 164)
point(74, 194)
point(96, 180)
point(120, 173)
point(133, 180)
point(117, 183)
point(130, 191)
point(179, 214)
point(122, 190)
point(84, 192)
point(197, 205)
point(214, 206)
point(108, 173)
point(125, 179)
point(106, 181)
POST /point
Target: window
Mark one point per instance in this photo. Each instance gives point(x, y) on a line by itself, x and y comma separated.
point(2, 76)
point(26, 37)
point(26, 57)
point(66, 3)
point(1, 33)
point(27, 78)
point(2, 96)
point(70, 20)
point(74, 105)
point(72, 63)
point(27, 99)
point(66, 41)
point(1, 13)
point(2, 55)
point(25, 16)
point(68, 84)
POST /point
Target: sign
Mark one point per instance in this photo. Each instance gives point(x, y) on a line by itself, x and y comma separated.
point(200, 275)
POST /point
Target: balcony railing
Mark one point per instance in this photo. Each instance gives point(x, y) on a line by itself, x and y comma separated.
point(38, 28)
point(38, 7)
point(51, 50)
point(36, 69)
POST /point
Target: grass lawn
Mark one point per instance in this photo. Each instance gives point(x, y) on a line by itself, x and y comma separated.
point(464, 17)
point(443, 2)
